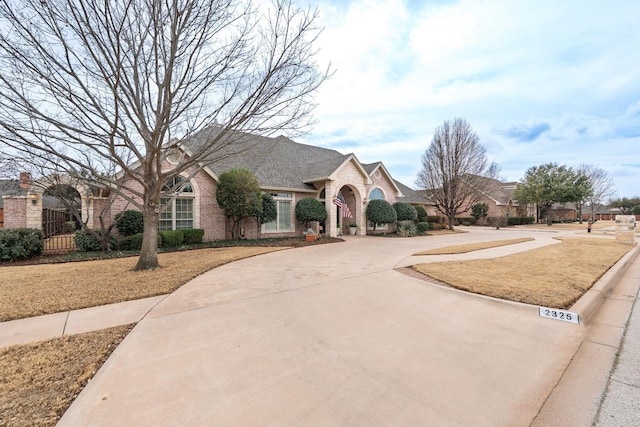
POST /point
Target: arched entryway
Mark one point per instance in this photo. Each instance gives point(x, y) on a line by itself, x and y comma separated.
point(345, 209)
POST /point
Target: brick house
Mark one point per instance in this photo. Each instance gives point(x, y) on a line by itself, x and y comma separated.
point(288, 170)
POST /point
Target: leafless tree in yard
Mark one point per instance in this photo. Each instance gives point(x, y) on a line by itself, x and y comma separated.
point(602, 187)
point(455, 170)
point(121, 84)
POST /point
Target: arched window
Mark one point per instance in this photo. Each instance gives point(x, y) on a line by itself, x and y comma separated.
point(176, 212)
point(376, 194)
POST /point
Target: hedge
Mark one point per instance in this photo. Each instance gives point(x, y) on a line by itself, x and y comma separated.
point(422, 227)
point(129, 223)
point(192, 236)
point(131, 243)
point(519, 220)
point(405, 212)
point(20, 243)
point(171, 239)
point(87, 242)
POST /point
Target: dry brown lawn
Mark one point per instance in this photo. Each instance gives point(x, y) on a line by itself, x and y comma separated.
point(39, 381)
point(553, 276)
point(34, 290)
point(470, 247)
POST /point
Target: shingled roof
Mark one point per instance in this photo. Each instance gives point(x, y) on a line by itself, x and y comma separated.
point(277, 162)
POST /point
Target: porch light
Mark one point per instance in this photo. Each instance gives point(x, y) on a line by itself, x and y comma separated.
point(34, 198)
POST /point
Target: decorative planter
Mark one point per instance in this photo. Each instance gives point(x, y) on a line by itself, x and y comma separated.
point(310, 237)
point(352, 230)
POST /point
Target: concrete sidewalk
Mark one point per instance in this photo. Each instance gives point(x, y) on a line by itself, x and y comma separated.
point(40, 328)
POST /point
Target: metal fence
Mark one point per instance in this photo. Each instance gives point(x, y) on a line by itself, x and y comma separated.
point(53, 221)
point(59, 244)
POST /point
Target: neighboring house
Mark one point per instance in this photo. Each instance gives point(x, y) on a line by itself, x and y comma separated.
point(497, 196)
point(289, 171)
point(500, 201)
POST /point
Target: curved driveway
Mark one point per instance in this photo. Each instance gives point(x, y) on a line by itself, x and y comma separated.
point(332, 335)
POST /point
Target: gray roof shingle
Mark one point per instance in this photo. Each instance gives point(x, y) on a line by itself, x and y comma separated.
point(277, 162)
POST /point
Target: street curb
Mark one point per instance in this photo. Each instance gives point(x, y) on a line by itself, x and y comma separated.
point(591, 301)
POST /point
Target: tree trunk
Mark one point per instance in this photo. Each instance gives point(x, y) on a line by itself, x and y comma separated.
point(148, 259)
point(452, 221)
point(549, 216)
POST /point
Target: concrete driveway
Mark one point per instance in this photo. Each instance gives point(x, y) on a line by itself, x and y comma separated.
point(332, 335)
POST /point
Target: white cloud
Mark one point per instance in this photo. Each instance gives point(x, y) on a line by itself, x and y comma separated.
point(561, 75)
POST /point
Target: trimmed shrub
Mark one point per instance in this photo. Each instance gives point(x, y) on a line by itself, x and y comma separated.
point(87, 242)
point(380, 212)
point(171, 238)
point(422, 227)
point(405, 212)
point(131, 243)
point(514, 220)
point(309, 209)
point(129, 223)
point(69, 226)
point(527, 220)
point(407, 229)
point(422, 214)
point(466, 220)
point(192, 236)
point(479, 210)
point(20, 243)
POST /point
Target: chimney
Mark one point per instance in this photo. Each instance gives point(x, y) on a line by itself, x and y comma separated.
point(25, 180)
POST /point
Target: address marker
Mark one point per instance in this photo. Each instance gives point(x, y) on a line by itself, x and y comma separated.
point(557, 314)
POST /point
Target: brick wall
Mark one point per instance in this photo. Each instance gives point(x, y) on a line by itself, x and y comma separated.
point(15, 212)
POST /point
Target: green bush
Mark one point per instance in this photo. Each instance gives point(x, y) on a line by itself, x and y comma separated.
point(479, 210)
point(422, 214)
point(407, 229)
point(192, 236)
point(129, 223)
point(422, 227)
point(380, 212)
point(309, 209)
point(466, 220)
point(171, 238)
point(87, 242)
point(405, 212)
point(20, 243)
point(69, 226)
point(514, 220)
point(131, 243)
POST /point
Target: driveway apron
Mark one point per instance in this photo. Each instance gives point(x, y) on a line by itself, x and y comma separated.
point(332, 335)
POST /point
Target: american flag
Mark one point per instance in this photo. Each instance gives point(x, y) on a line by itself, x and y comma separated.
point(340, 202)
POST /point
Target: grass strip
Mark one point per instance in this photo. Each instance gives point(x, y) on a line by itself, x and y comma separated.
point(34, 290)
point(470, 247)
point(553, 276)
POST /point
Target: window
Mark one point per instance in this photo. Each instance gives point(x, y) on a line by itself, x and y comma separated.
point(376, 194)
point(283, 221)
point(177, 211)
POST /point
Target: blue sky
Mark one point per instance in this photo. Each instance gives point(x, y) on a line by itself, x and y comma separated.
point(539, 81)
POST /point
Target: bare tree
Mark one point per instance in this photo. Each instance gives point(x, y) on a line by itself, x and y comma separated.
point(455, 171)
point(602, 187)
point(124, 83)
